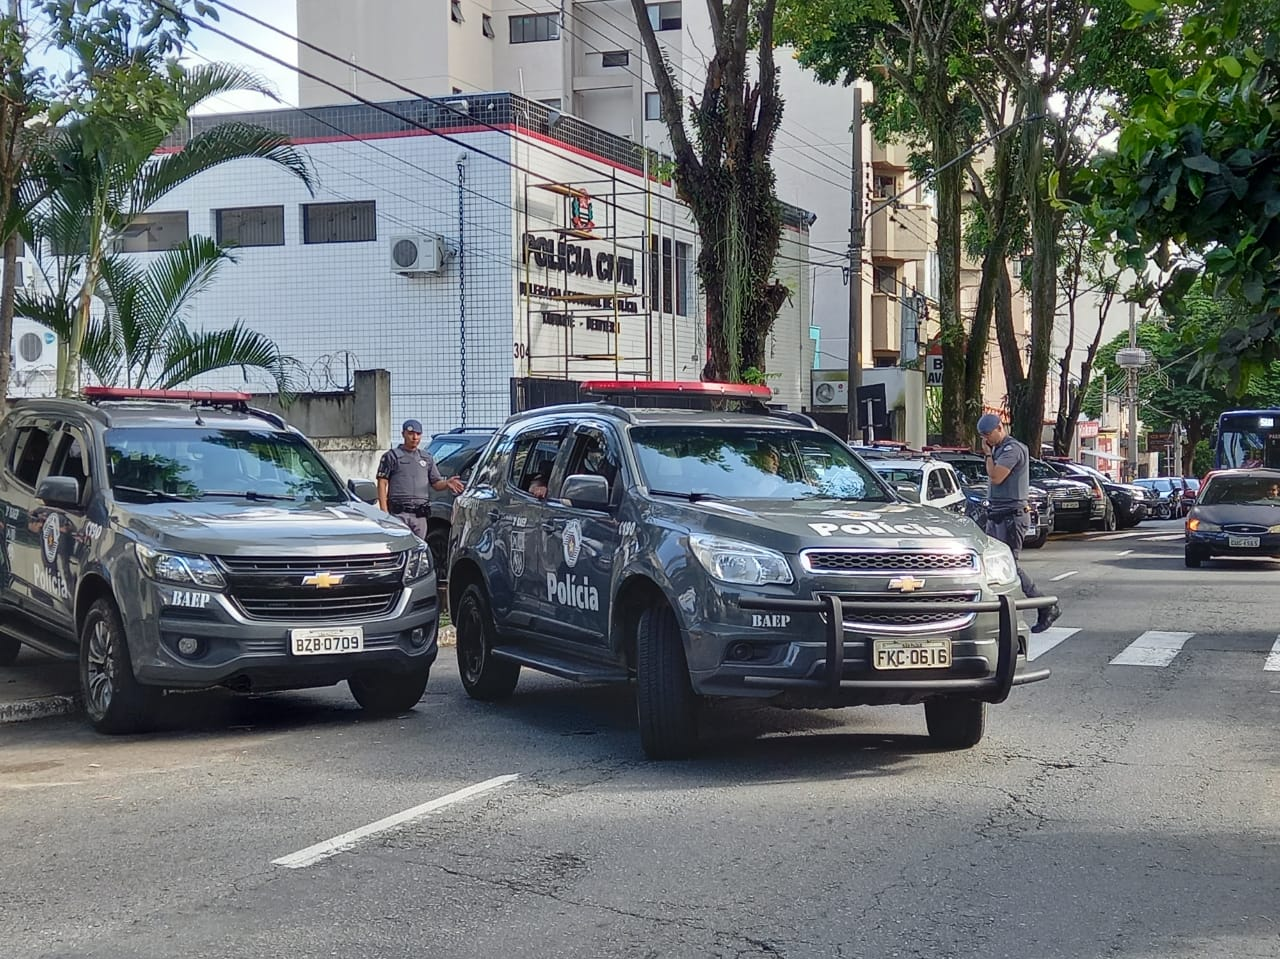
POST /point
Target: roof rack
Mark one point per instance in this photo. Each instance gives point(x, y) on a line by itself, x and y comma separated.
point(740, 391)
point(99, 394)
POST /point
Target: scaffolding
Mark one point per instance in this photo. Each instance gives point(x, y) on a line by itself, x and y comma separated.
point(586, 314)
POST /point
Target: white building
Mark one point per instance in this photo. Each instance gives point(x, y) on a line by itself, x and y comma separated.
point(442, 245)
point(584, 58)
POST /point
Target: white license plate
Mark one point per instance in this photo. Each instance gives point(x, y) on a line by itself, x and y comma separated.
point(1069, 504)
point(911, 653)
point(1244, 542)
point(326, 642)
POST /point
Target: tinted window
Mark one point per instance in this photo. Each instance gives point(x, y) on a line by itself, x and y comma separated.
point(594, 457)
point(148, 463)
point(535, 455)
point(353, 222)
point(899, 476)
point(1240, 491)
point(737, 463)
point(250, 226)
point(1250, 441)
point(70, 461)
point(29, 452)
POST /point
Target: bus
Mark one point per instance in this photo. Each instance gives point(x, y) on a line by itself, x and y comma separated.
point(1247, 438)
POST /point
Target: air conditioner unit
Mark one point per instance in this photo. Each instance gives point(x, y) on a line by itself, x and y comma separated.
point(417, 255)
point(33, 346)
point(829, 391)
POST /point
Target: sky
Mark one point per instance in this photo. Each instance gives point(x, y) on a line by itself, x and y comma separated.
point(210, 46)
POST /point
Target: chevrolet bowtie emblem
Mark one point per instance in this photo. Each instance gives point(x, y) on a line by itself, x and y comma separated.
point(323, 580)
point(906, 584)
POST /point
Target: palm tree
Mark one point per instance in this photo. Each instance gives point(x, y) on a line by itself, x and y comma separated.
point(106, 171)
point(141, 338)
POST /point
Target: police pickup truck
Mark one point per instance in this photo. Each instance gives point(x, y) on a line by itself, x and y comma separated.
point(182, 540)
point(723, 553)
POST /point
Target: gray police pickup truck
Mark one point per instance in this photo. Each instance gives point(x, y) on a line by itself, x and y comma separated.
point(723, 554)
point(182, 540)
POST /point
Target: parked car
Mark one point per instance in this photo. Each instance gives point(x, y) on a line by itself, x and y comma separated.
point(1129, 502)
point(184, 541)
point(455, 453)
point(1190, 490)
point(1102, 513)
point(1236, 514)
point(923, 481)
point(1072, 499)
point(1170, 502)
point(724, 554)
point(1040, 521)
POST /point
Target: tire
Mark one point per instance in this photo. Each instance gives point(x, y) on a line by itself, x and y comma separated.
point(666, 705)
point(484, 677)
point(955, 723)
point(1192, 558)
point(1162, 511)
point(385, 694)
point(1035, 542)
point(114, 701)
point(1109, 521)
point(9, 648)
point(438, 540)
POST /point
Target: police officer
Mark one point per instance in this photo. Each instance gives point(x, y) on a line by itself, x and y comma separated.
point(1008, 516)
point(406, 477)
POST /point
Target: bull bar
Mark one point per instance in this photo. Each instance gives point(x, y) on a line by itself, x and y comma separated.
point(993, 689)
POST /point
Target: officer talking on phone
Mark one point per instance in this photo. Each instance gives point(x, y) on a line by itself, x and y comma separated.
point(1008, 516)
point(406, 477)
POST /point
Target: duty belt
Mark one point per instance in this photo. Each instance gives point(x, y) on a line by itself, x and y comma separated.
point(416, 507)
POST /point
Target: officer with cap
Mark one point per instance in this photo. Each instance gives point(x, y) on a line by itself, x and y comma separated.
point(1008, 516)
point(406, 476)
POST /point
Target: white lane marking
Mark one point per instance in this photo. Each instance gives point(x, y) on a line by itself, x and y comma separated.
point(1166, 536)
point(1125, 552)
point(1273, 660)
point(1110, 536)
point(1153, 648)
point(1041, 643)
point(331, 847)
point(1062, 576)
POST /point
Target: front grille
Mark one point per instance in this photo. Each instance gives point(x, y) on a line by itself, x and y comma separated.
point(343, 605)
point(905, 621)
point(854, 561)
point(377, 563)
point(1250, 528)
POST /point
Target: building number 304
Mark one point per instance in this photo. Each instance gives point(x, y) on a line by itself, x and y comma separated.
point(520, 351)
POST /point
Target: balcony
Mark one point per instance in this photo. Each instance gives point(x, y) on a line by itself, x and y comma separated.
point(889, 154)
point(884, 324)
point(901, 234)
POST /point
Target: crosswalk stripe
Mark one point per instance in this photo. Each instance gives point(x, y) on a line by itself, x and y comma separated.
point(1110, 536)
point(1041, 643)
point(1153, 648)
point(1273, 660)
point(1166, 536)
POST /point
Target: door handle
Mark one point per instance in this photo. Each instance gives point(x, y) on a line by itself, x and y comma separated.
point(494, 514)
point(549, 525)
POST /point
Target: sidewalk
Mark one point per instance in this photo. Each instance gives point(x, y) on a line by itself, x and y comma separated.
point(36, 687)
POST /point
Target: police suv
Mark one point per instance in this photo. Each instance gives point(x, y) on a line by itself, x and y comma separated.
point(182, 540)
point(714, 553)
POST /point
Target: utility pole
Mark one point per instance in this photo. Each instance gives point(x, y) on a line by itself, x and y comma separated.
point(855, 270)
point(1133, 395)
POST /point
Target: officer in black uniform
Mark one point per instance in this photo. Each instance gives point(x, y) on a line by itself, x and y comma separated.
point(1008, 516)
point(406, 477)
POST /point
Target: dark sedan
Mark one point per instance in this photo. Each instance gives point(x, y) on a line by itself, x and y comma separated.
point(1236, 514)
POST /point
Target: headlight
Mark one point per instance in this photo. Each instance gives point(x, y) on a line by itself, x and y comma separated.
point(1274, 529)
point(178, 568)
point(1000, 566)
point(732, 562)
point(1200, 526)
point(417, 565)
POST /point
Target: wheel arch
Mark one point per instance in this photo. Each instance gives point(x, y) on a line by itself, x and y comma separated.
point(92, 587)
point(637, 593)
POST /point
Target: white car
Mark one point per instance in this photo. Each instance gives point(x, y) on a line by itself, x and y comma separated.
point(931, 482)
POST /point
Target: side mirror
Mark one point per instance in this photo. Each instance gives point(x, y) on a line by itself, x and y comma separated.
point(586, 491)
point(59, 491)
point(909, 492)
point(364, 490)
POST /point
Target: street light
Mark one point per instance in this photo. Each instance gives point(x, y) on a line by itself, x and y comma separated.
point(857, 236)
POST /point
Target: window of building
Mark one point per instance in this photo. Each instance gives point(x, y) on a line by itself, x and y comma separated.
point(457, 90)
point(615, 58)
point(885, 279)
point(652, 106)
point(455, 11)
point(551, 104)
point(535, 27)
point(885, 362)
point(486, 25)
point(354, 222)
point(150, 232)
point(249, 226)
point(671, 275)
point(664, 16)
point(884, 186)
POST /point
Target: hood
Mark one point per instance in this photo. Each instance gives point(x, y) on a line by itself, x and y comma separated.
point(1228, 514)
point(222, 528)
point(789, 526)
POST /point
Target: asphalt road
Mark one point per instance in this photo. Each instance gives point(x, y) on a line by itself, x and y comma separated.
point(1113, 811)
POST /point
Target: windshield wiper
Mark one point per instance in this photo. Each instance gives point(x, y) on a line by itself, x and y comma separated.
point(152, 494)
point(248, 494)
point(691, 497)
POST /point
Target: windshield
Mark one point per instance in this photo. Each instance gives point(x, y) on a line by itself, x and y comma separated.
point(900, 475)
point(1039, 470)
point(1241, 490)
point(971, 471)
point(737, 463)
point(162, 463)
point(1249, 442)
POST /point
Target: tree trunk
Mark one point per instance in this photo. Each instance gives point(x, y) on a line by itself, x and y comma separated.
point(1195, 433)
point(948, 185)
point(6, 313)
point(1010, 354)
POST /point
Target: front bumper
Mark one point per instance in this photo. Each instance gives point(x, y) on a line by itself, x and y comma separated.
point(253, 654)
point(1219, 544)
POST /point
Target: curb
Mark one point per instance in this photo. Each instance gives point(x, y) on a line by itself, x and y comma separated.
point(42, 708)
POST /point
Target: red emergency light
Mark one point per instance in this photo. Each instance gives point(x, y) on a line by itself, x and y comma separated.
point(93, 393)
point(740, 391)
